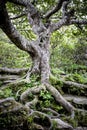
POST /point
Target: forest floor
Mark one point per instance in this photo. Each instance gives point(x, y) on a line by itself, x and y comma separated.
point(39, 110)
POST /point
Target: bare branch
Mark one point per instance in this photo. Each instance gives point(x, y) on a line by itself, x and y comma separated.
point(18, 16)
point(59, 24)
point(55, 9)
point(33, 15)
point(79, 22)
point(20, 2)
point(66, 21)
point(25, 3)
point(19, 40)
point(64, 8)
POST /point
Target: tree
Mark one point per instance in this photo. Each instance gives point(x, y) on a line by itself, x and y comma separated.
point(44, 22)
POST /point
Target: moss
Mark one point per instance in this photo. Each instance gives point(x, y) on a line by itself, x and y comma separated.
point(13, 57)
point(81, 117)
point(53, 79)
point(12, 120)
point(56, 83)
point(54, 123)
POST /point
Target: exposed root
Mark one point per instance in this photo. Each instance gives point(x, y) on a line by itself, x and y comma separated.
point(6, 70)
point(81, 128)
point(78, 85)
point(10, 105)
point(28, 76)
point(33, 102)
point(54, 113)
point(59, 98)
point(38, 127)
point(48, 119)
point(17, 82)
point(31, 71)
point(34, 90)
point(41, 119)
point(61, 124)
point(79, 100)
point(8, 77)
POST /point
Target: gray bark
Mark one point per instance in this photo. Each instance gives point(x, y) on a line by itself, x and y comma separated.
point(76, 99)
point(5, 70)
point(38, 49)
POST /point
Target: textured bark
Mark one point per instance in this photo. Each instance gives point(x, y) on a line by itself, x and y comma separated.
point(78, 85)
point(60, 99)
point(61, 125)
point(39, 50)
point(55, 9)
point(34, 90)
point(45, 68)
point(5, 70)
point(9, 77)
point(76, 99)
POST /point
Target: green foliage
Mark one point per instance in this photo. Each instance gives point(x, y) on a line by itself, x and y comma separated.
point(77, 77)
point(45, 95)
point(6, 93)
point(12, 57)
point(68, 47)
point(11, 120)
point(72, 68)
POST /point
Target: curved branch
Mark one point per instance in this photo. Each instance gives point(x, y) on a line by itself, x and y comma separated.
point(55, 9)
point(59, 24)
point(33, 15)
point(20, 2)
point(19, 40)
point(64, 8)
point(66, 21)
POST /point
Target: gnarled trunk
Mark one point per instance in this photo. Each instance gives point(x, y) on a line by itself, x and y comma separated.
point(40, 62)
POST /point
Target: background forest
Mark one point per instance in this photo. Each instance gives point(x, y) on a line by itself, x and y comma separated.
point(68, 63)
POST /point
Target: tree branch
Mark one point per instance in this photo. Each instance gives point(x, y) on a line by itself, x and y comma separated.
point(67, 20)
point(64, 8)
point(59, 24)
point(17, 16)
point(79, 21)
point(20, 2)
point(19, 40)
point(25, 3)
point(33, 15)
point(55, 9)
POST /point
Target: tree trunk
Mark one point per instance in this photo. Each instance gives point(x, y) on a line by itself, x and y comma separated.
point(40, 60)
point(45, 67)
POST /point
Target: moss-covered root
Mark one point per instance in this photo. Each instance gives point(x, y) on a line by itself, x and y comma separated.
point(12, 114)
point(60, 99)
point(38, 120)
point(58, 124)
